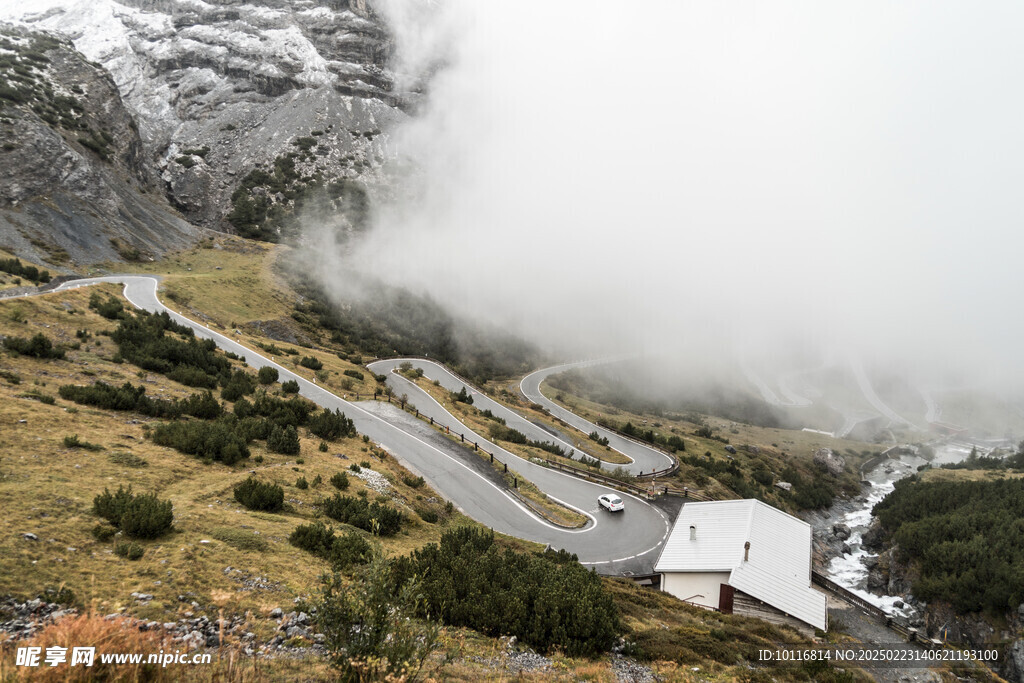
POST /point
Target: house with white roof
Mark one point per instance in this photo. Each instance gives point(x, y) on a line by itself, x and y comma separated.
point(743, 557)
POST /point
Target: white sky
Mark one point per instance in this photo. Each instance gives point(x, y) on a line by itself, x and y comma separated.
point(768, 172)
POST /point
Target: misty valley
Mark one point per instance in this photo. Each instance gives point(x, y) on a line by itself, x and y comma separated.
point(403, 340)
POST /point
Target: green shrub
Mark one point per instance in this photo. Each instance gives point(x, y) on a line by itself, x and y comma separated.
point(341, 551)
point(39, 346)
point(331, 425)
point(311, 362)
point(18, 269)
point(368, 627)
point(340, 481)
point(129, 549)
point(547, 602)
point(238, 385)
point(301, 483)
point(354, 374)
point(267, 375)
point(427, 515)
point(258, 495)
point(462, 397)
point(111, 309)
point(144, 340)
point(283, 440)
point(216, 441)
point(290, 387)
point(413, 482)
point(965, 538)
point(138, 516)
point(73, 441)
point(379, 519)
point(147, 517)
point(102, 532)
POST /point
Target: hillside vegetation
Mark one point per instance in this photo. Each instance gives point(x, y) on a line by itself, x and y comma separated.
point(963, 535)
point(723, 458)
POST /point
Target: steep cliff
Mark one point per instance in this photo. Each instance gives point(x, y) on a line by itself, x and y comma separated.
point(221, 89)
point(75, 186)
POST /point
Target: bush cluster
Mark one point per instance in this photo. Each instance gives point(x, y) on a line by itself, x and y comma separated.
point(111, 309)
point(379, 519)
point(258, 495)
point(129, 550)
point(39, 346)
point(18, 269)
point(218, 441)
point(546, 602)
point(239, 383)
point(341, 551)
point(131, 398)
point(267, 375)
point(284, 440)
point(143, 340)
point(966, 538)
point(339, 481)
point(503, 433)
point(138, 516)
point(331, 425)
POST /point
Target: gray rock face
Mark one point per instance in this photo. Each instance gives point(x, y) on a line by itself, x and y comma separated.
point(829, 462)
point(220, 88)
point(1015, 661)
point(75, 184)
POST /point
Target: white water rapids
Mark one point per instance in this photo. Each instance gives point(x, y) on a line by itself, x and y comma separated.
point(849, 570)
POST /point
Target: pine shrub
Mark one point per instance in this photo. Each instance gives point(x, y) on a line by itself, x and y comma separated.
point(376, 518)
point(257, 495)
point(138, 516)
point(284, 440)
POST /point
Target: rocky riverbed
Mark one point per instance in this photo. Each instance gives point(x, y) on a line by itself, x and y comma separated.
point(843, 538)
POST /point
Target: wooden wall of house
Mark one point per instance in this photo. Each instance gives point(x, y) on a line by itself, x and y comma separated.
point(749, 606)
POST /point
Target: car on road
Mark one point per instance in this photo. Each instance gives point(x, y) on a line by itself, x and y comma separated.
point(611, 502)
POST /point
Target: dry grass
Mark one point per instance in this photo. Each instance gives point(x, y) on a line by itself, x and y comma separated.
point(223, 280)
point(48, 489)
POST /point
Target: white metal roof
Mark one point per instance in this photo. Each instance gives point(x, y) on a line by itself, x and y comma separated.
point(778, 570)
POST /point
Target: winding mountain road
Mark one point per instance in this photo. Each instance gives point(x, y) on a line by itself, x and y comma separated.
point(625, 543)
point(644, 458)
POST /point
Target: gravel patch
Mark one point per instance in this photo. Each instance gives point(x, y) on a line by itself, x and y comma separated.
point(375, 480)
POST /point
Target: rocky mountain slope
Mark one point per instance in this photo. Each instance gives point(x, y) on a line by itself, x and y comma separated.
point(75, 186)
point(298, 91)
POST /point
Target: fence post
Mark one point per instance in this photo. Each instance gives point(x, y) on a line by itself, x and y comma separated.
point(446, 430)
point(417, 412)
point(462, 437)
point(431, 420)
point(515, 482)
point(506, 467)
point(492, 458)
point(476, 446)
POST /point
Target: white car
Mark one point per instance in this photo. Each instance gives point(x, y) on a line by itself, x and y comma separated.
point(611, 502)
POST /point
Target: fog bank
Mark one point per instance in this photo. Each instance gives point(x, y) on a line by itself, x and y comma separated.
point(719, 180)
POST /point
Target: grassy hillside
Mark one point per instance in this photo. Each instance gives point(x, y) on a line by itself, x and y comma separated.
point(49, 486)
point(222, 559)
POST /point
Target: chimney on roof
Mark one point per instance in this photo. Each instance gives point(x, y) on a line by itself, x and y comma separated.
point(746, 551)
point(693, 533)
